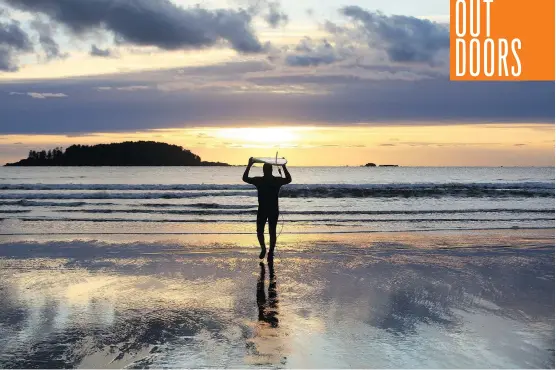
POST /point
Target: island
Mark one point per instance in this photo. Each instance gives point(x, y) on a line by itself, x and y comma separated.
point(382, 165)
point(129, 153)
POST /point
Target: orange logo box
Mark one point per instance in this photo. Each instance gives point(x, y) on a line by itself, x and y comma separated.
point(502, 40)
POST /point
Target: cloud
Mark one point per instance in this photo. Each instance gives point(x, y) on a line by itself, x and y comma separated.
point(271, 11)
point(133, 88)
point(429, 144)
point(49, 45)
point(349, 102)
point(158, 23)
point(368, 39)
point(123, 88)
point(275, 17)
point(207, 96)
point(221, 78)
point(405, 39)
point(13, 40)
point(6, 60)
point(332, 78)
point(310, 53)
point(36, 95)
point(97, 52)
point(12, 35)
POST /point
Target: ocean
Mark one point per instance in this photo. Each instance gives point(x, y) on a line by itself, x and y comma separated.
point(374, 268)
point(213, 200)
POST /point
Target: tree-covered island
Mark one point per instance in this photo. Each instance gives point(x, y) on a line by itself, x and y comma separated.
point(129, 153)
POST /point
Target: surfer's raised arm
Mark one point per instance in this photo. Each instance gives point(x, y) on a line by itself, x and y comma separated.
point(288, 178)
point(246, 177)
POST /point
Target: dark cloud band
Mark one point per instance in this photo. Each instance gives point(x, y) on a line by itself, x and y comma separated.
point(405, 39)
point(348, 101)
point(158, 23)
point(12, 41)
point(98, 52)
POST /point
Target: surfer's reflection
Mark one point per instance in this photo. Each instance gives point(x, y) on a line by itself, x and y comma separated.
point(268, 309)
point(268, 345)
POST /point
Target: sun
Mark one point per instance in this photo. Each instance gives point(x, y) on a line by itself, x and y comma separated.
point(260, 135)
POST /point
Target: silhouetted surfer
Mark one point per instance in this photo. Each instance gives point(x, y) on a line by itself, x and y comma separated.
point(268, 188)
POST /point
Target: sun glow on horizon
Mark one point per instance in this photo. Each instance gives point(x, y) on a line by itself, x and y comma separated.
point(263, 136)
point(449, 145)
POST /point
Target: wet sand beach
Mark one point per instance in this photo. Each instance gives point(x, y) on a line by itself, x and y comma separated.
point(472, 299)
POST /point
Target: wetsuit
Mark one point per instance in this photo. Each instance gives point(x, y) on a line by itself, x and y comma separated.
point(268, 188)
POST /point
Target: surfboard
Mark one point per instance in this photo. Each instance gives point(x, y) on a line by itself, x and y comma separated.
point(271, 160)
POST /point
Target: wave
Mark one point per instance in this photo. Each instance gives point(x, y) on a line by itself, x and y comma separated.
point(124, 195)
point(306, 212)
point(38, 203)
point(32, 203)
point(294, 187)
point(109, 191)
point(311, 220)
point(198, 205)
point(124, 187)
point(315, 232)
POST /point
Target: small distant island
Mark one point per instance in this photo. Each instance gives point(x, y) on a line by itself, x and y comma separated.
point(129, 153)
point(382, 165)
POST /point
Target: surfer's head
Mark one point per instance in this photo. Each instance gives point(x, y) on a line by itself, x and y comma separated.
point(267, 169)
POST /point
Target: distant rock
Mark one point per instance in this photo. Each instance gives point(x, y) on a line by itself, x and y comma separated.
point(215, 164)
point(370, 165)
point(389, 165)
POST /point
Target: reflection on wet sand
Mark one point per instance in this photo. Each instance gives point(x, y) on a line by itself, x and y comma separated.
point(268, 310)
point(328, 304)
point(267, 346)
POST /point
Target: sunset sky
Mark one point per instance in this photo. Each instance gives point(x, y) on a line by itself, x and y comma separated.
point(322, 82)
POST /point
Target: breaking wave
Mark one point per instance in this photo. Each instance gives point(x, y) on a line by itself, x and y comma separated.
point(306, 212)
point(150, 220)
point(145, 191)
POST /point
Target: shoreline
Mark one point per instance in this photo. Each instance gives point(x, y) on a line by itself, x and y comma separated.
point(492, 237)
point(362, 232)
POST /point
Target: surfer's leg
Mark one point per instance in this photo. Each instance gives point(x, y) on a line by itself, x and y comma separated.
point(272, 222)
point(261, 221)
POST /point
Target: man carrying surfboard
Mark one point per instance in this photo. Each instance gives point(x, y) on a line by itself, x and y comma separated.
point(268, 188)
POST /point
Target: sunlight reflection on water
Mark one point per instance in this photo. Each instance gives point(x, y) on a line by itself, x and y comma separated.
point(381, 303)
